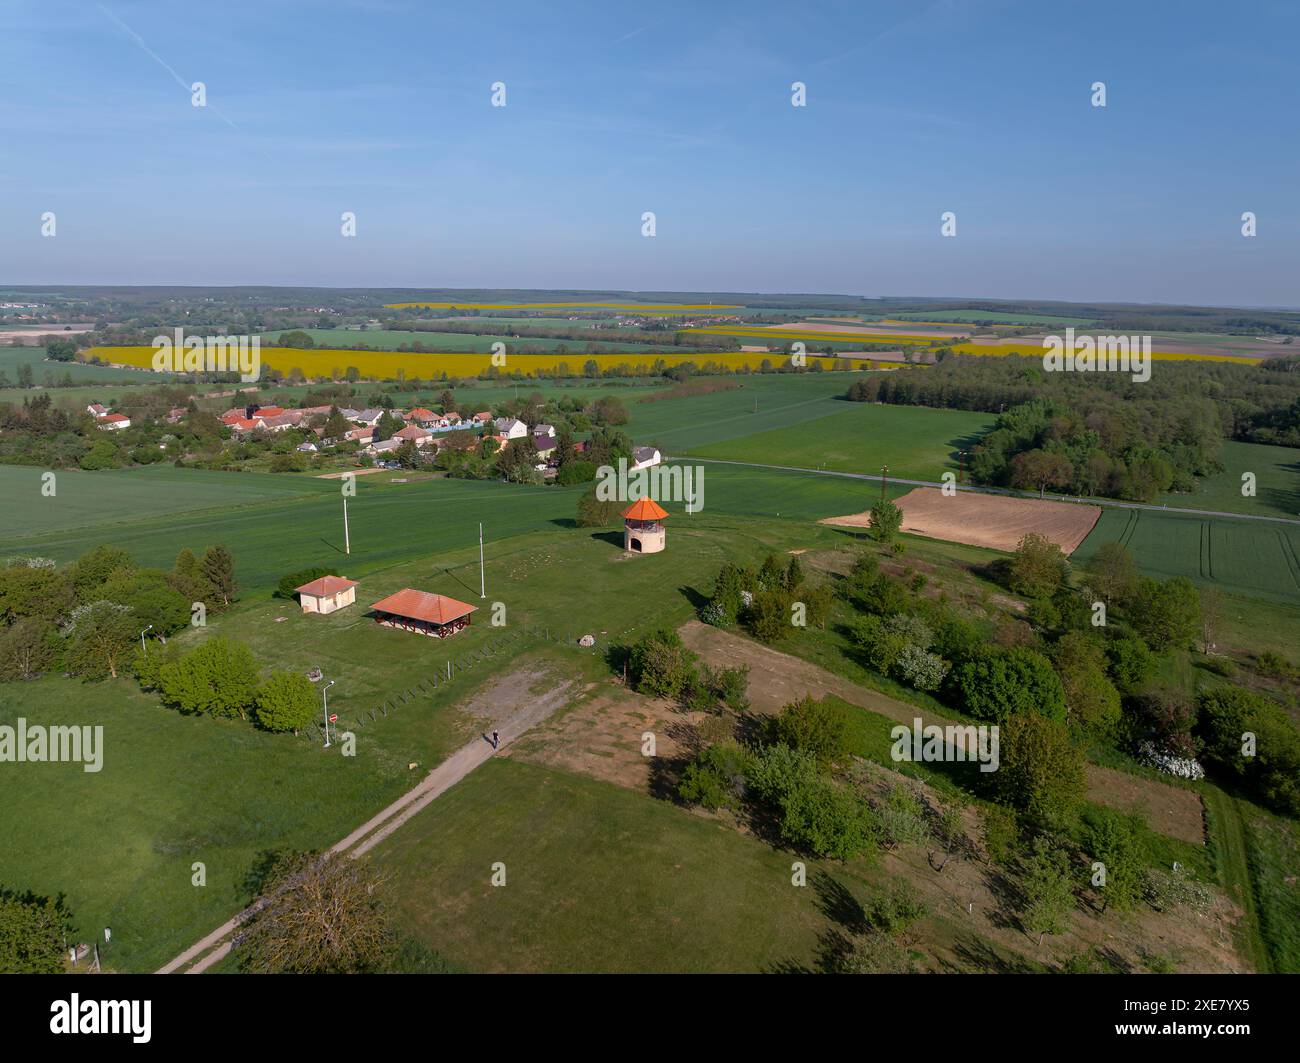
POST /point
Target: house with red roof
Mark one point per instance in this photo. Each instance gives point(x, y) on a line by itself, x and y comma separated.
point(113, 422)
point(423, 613)
point(327, 594)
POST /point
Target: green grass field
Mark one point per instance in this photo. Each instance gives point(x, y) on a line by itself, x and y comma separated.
point(1251, 558)
point(917, 444)
point(1277, 482)
point(993, 317)
point(598, 879)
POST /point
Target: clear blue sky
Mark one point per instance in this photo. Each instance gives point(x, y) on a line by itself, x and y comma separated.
point(914, 108)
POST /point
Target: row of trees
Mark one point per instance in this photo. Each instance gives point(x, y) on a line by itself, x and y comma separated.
point(87, 618)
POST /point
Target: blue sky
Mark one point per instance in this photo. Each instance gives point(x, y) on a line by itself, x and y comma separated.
point(913, 109)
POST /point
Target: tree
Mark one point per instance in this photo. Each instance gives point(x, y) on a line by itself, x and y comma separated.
point(319, 914)
point(100, 636)
point(1113, 573)
point(1091, 700)
point(1041, 771)
point(661, 666)
point(793, 574)
point(1115, 841)
point(886, 520)
point(33, 933)
point(817, 727)
point(1047, 890)
point(609, 410)
point(219, 571)
point(1000, 683)
point(1252, 739)
point(1038, 567)
point(818, 602)
point(93, 568)
point(595, 512)
point(768, 615)
point(286, 702)
point(151, 598)
point(1167, 613)
point(1040, 469)
point(26, 649)
point(218, 678)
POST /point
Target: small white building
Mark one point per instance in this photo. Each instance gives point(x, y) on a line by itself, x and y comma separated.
point(384, 446)
point(644, 457)
point(511, 427)
point(327, 594)
point(113, 422)
point(545, 430)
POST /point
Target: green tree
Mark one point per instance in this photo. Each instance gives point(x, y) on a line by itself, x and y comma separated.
point(1091, 700)
point(1048, 894)
point(218, 678)
point(285, 702)
point(1167, 613)
point(100, 636)
point(27, 648)
point(33, 933)
point(1112, 573)
point(595, 512)
point(1001, 683)
point(886, 520)
point(817, 727)
point(1038, 567)
point(1115, 841)
point(1041, 771)
point(661, 666)
point(219, 571)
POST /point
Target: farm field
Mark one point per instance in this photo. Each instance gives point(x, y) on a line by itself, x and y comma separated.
point(325, 363)
point(1277, 482)
point(991, 521)
point(93, 501)
point(993, 318)
point(388, 339)
point(916, 443)
point(1258, 559)
point(82, 373)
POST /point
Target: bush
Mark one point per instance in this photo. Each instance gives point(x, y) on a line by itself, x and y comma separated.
point(285, 702)
point(285, 587)
point(716, 778)
point(820, 728)
point(1000, 683)
point(661, 666)
point(218, 678)
point(1272, 770)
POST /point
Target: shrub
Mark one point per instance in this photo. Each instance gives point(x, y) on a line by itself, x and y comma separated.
point(285, 587)
point(820, 728)
point(285, 702)
point(1000, 683)
point(661, 666)
point(716, 778)
point(920, 668)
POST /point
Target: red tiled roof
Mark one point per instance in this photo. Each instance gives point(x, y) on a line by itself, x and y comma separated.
point(114, 417)
point(421, 414)
point(412, 431)
point(645, 509)
point(422, 605)
point(319, 588)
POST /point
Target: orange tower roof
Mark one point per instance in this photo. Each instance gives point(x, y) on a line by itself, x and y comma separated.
point(645, 509)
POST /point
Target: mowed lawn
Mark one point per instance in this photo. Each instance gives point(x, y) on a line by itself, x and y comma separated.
point(175, 790)
point(916, 443)
point(598, 879)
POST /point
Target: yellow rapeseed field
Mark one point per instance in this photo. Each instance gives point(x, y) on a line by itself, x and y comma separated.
point(331, 363)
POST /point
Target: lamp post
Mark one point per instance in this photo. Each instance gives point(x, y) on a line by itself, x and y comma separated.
point(143, 648)
point(325, 699)
point(884, 479)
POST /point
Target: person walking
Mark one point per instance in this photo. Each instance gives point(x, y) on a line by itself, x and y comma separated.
point(496, 739)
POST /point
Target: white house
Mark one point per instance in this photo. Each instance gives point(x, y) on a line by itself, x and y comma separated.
point(369, 418)
point(113, 422)
point(384, 446)
point(511, 427)
point(412, 433)
point(644, 457)
point(326, 594)
point(96, 410)
point(544, 430)
point(307, 448)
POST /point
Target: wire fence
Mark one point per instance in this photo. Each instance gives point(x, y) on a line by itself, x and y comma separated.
point(454, 667)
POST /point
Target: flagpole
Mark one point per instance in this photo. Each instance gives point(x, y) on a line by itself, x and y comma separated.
point(482, 579)
point(347, 541)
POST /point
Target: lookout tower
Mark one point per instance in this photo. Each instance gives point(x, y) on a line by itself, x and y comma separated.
point(643, 530)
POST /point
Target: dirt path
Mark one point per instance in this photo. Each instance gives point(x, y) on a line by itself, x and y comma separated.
point(511, 724)
point(776, 679)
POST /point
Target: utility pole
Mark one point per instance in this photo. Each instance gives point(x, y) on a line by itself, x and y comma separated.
point(325, 698)
point(482, 579)
point(884, 479)
point(347, 541)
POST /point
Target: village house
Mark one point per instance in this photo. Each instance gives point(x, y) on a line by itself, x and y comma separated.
point(369, 418)
point(279, 423)
point(326, 594)
point(644, 457)
point(511, 427)
point(384, 446)
point(422, 417)
point(482, 417)
point(421, 437)
point(306, 448)
point(360, 435)
point(96, 410)
point(113, 422)
point(545, 430)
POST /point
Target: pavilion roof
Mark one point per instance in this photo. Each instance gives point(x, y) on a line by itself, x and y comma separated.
point(645, 509)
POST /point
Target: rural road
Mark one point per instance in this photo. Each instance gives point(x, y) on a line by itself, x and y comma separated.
point(216, 946)
point(872, 478)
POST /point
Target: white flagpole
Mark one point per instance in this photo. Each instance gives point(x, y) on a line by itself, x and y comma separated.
point(482, 579)
point(347, 542)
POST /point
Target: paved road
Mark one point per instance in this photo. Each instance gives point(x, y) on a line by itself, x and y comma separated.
point(216, 946)
point(872, 478)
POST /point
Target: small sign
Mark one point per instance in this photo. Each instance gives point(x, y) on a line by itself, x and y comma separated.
point(333, 718)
